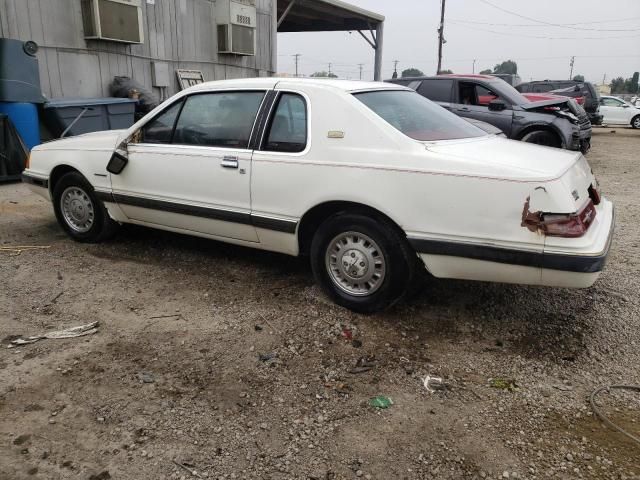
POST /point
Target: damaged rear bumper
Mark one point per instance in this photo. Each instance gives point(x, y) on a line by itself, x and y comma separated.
point(573, 263)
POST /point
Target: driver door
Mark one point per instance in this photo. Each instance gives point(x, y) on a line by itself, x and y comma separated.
point(473, 102)
point(190, 167)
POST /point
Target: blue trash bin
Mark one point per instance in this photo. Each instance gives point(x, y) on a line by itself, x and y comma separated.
point(25, 118)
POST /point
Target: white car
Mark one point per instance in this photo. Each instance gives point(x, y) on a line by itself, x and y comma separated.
point(616, 111)
point(371, 180)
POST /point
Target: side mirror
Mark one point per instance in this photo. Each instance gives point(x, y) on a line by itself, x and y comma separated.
point(625, 106)
point(120, 158)
point(117, 163)
point(497, 105)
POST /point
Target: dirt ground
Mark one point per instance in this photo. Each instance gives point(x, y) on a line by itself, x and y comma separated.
point(231, 363)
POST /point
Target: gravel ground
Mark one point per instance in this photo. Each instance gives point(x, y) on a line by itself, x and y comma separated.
point(231, 363)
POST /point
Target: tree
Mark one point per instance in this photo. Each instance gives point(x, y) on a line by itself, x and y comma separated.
point(508, 66)
point(412, 72)
point(578, 78)
point(488, 71)
point(324, 74)
point(617, 85)
point(445, 72)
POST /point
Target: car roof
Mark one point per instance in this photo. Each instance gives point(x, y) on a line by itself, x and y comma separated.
point(272, 82)
point(470, 76)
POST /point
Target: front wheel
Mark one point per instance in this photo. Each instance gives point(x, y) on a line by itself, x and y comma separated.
point(364, 264)
point(79, 212)
point(635, 121)
point(543, 137)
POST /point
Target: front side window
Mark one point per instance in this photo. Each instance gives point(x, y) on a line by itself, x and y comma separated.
point(612, 102)
point(220, 119)
point(474, 94)
point(288, 129)
point(417, 117)
point(160, 129)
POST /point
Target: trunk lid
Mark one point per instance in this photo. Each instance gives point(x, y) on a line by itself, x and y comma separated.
point(499, 157)
point(578, 179)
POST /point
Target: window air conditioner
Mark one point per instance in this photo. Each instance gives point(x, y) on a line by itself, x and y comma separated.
point(236, 21)
point(114, 20)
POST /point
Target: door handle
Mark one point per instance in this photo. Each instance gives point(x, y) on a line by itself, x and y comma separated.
point(230, 162)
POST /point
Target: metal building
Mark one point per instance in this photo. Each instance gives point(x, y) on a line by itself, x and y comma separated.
point(84, 44)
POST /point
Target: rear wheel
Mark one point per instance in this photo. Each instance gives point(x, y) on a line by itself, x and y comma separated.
point(543, 137)
point(364, 264)
point(635, 121)
point(78, 210)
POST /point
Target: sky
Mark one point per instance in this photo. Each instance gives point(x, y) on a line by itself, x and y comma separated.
point(603, 36)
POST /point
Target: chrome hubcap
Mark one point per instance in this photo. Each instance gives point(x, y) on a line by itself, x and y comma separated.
point(355, 264)
point(77, 209)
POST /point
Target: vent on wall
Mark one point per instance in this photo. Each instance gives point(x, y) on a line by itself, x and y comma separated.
point(236, 21)
point(114, 20)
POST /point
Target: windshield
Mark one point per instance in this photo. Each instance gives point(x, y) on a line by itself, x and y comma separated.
point(417, 117)
point(507, 92)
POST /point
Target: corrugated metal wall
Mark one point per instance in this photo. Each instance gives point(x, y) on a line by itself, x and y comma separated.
point(180, 32)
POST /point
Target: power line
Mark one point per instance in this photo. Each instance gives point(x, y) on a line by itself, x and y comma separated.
point(573, 27)
point(541, 26)
point(540, 36)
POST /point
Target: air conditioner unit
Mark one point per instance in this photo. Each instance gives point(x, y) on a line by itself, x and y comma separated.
point(237, 22)
point(113, 20)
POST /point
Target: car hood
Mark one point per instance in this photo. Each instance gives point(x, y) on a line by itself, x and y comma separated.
point(106, 140)
point(498, 157)
point(544, 103)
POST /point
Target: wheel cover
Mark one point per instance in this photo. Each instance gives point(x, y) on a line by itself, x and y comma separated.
point(636, 122)
point(355, 264)
point(77, 209)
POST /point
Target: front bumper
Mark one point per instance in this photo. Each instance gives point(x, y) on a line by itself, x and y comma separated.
point(581, 140)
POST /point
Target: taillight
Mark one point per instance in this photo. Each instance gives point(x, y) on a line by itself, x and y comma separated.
point(568, 225)
point(594, 194)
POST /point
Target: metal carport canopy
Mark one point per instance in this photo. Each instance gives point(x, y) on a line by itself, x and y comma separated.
point(333, 16)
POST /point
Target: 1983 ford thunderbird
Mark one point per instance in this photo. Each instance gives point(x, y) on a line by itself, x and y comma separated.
point(371, 180)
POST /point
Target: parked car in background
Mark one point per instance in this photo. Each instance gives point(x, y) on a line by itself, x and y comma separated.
point(616, 111)
point(555, 122)
point(585, 93)
point(391, 185)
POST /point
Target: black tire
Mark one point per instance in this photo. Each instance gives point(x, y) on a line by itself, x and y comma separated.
point(543, 137)
point(635, 122)
point(102, 226)
point(400, 261)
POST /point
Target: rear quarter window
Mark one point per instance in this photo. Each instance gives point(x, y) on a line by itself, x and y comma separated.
point(436, 90)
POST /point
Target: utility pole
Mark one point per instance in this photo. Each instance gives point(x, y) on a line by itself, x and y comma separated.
point(329, 69)
point(440, 37)
point(573, 59)
point(361, 65)
point(474, 66)
point(395, 68)
point(296, 56)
